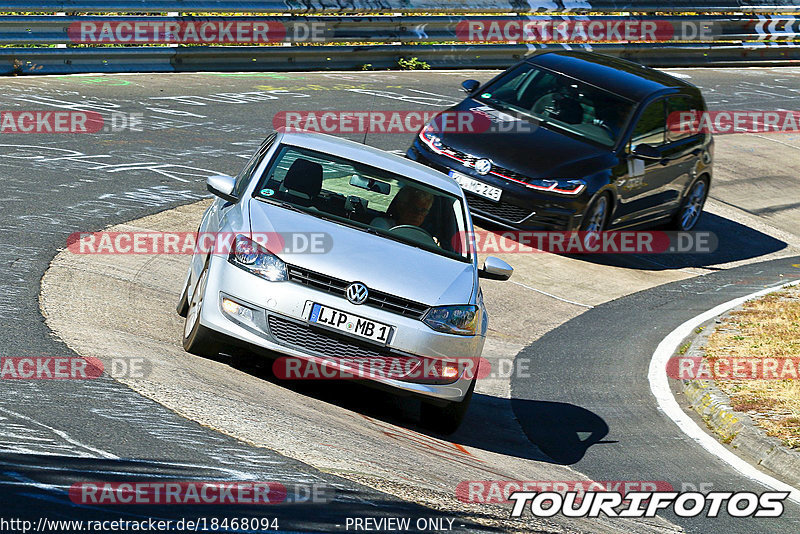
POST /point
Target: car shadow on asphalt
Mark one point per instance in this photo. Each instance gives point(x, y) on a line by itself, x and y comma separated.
point(380, 408)
point(563, 431)
point(735, 242)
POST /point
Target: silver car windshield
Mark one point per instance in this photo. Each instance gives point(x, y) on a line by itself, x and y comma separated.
point(369, 199)
point(561, 102)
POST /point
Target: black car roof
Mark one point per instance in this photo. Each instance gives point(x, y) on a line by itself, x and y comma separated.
point(622, 77)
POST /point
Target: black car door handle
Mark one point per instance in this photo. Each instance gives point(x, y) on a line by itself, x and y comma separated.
point(667, 161)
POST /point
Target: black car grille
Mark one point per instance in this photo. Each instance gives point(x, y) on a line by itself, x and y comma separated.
point(470, 159)
point(309, 339)
point(550, 220)
point(376, 299)
point(500, 210)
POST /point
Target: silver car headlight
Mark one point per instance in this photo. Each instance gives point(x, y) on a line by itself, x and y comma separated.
point(252, 257)
point(461, 320)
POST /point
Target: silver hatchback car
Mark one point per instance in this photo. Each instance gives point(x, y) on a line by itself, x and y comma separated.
point(329, 253)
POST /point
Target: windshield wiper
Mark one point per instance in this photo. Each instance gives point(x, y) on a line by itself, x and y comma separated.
point(388, 235)
point(282, 204)
point(498, 104)
point(503, 107)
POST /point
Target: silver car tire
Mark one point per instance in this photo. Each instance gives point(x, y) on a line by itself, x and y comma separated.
point(197, 339)
point(446, 419)
point(183, 303)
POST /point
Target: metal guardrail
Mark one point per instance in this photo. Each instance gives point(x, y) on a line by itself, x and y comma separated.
point(404, 6)
point(743, 36)
point(431, 29)
point(250, 59)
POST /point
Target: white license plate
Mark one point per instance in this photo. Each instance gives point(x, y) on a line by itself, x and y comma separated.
point(350, 323)
point(476, 186)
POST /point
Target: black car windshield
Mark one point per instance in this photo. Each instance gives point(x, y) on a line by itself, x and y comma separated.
point(561, 102)
point(369, 199)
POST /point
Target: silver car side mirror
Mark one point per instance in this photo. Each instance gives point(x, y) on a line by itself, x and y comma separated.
point(222, 186)
point(495, 269)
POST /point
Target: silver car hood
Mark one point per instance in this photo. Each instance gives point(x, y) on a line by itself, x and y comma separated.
point(380, 263)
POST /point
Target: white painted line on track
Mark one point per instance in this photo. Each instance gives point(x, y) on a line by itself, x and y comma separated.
point(659, 385)
point(552, 296)
point(776, 141)
point(63, 435)
point(429, 93)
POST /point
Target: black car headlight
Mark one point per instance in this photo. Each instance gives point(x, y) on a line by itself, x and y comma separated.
point(252, 257)
point(461, 320)
point(567, 187)
point(428, 136)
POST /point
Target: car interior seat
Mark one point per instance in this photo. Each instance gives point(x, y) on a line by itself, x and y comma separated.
point(303, 181)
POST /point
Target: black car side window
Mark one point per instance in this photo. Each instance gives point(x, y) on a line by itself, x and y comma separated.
point(682, 112)
point(651, 127)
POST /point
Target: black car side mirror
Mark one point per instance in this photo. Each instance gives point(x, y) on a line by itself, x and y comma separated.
point(645, 151)
point(470, 86)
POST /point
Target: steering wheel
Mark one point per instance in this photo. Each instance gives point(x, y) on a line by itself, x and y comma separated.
point(415, 233)
point(606, 127)
point(545, 104)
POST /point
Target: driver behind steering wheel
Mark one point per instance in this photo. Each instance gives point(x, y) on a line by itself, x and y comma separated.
point(410, 206)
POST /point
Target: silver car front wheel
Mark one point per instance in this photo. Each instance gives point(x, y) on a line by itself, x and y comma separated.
point(197, 339)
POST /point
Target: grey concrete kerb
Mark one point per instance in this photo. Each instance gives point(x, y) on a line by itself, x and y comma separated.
point(735, 428)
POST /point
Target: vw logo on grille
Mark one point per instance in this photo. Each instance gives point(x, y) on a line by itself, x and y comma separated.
point(357, 293)
point(483, 166)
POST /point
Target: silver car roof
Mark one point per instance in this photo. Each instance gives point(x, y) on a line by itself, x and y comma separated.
point(371, 156)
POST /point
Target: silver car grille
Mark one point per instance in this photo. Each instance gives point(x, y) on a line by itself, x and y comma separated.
point(376, 299)
point(309, 339)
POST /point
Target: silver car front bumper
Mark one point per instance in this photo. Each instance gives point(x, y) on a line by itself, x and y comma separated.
point(276, 303)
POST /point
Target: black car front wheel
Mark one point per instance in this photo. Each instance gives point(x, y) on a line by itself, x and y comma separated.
point(596, 216)
point(692, 207)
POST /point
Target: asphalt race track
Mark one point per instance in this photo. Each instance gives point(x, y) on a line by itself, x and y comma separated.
point(606, 428)
point(588, 325)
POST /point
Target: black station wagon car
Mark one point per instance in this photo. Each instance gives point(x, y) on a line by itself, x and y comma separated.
point(577, 141)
